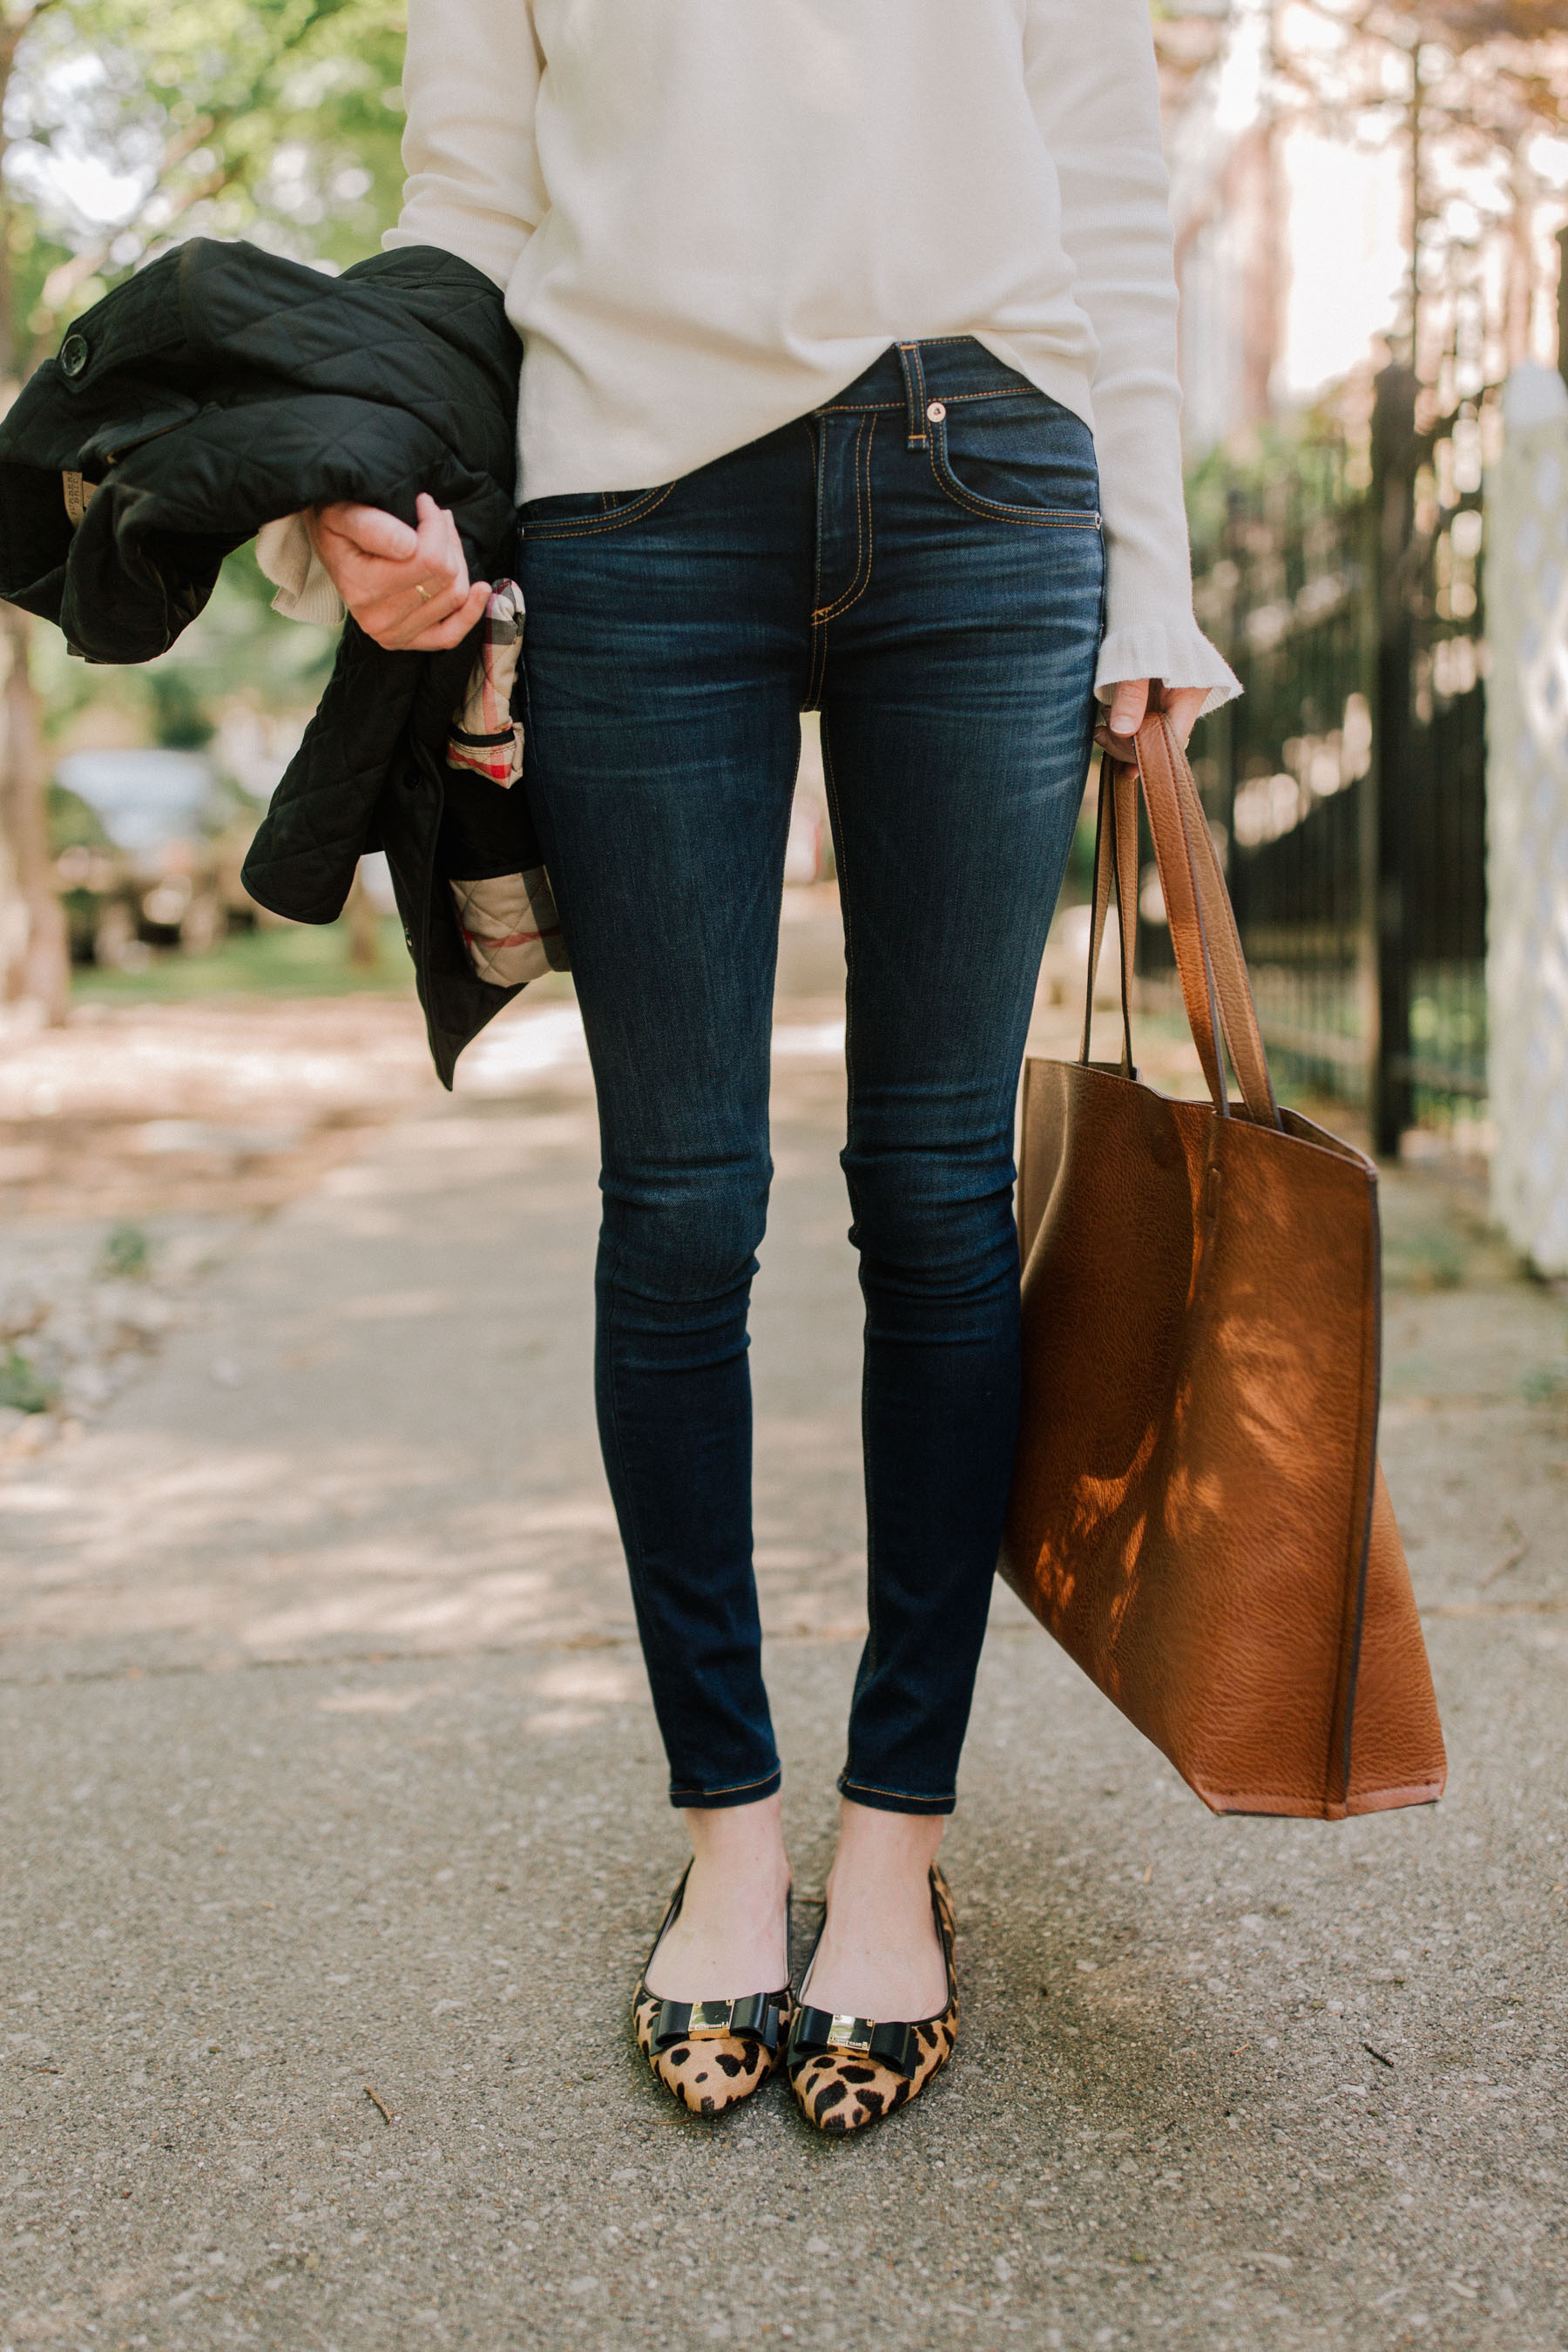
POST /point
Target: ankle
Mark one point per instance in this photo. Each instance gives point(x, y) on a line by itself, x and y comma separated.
point(741, 1846)
point(885, 1852)
point(881, 1953)
point(728, 1938)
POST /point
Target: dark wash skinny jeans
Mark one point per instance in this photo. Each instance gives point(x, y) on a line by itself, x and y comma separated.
point(921, 559)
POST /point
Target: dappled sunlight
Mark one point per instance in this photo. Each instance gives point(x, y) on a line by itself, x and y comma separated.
point(578, 1693)
point(274, 1554)
point(374, 1438)
point(381, 1701)
point(206, 1058)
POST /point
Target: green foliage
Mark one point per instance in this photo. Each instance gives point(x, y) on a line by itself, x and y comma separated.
point(277, 120)
point(127, 1254)
point(1307, 450)
point(273, 961)
point(72, 824)
point(181, 723)
point(130, 124)
point(21, 1388)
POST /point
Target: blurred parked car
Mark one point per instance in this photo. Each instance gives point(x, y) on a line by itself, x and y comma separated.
point(148, 846)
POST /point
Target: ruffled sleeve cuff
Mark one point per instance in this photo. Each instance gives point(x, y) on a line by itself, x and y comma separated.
point(304, 585)
point(1175, 656)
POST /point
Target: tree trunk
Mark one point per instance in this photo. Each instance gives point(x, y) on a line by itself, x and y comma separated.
point(35, 963)
point(34, 956)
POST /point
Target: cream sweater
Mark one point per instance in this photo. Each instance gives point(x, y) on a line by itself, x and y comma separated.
point(710, 216)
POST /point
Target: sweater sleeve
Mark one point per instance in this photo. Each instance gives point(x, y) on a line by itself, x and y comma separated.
point(470, 84)
point(1095, 92)
point(286, 557)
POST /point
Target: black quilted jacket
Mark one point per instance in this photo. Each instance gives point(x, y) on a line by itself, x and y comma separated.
point(220, 387)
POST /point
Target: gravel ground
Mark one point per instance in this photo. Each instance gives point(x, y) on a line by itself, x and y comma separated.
point(326, 1768)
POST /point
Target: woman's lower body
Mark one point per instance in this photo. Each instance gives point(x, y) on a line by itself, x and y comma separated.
point(919, 560)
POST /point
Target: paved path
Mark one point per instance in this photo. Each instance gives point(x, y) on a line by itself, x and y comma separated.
point(325, 1762)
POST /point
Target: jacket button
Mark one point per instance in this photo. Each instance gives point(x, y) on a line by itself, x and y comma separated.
point(74, 355)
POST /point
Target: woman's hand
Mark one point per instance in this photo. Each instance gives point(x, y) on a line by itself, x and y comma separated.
point(409, 590)
point(1133, 699)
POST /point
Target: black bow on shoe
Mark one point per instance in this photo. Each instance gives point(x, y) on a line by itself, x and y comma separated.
point(818, 2031)
point(712, 2021)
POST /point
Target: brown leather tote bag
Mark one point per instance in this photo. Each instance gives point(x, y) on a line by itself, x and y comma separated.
point(1197, 1514)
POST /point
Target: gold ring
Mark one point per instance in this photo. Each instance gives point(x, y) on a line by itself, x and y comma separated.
point(420, 590)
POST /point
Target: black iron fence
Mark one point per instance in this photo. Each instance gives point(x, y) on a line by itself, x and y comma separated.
point(1347, 787)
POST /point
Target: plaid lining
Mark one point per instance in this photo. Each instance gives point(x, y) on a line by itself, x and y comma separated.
point(485, 736)
point(509, 921)
point(509, 927)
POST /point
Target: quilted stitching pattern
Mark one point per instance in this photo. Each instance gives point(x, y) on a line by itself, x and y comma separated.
point(509, 927)
point(231, 386)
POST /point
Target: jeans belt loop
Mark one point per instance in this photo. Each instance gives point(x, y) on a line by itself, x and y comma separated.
point(915, 394)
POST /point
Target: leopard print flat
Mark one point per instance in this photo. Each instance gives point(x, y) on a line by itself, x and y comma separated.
point(710, 2054)
point(849, 2072)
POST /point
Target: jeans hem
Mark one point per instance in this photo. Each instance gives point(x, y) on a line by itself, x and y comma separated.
point(892, 1800)
point(744, 1792)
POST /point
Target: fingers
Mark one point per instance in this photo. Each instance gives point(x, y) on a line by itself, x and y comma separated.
point(435, 592)
point(439, 636)
point(1131, 703)
point(407, 589)
point(427, 594)
point(369, 531)
point(1183, 708)
point(1128, 707)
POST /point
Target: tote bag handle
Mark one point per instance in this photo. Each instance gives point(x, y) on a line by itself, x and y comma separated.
point(1210, 966)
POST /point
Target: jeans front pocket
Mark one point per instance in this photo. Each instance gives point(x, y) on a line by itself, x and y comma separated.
point(1021, 458)
point(586, 514)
